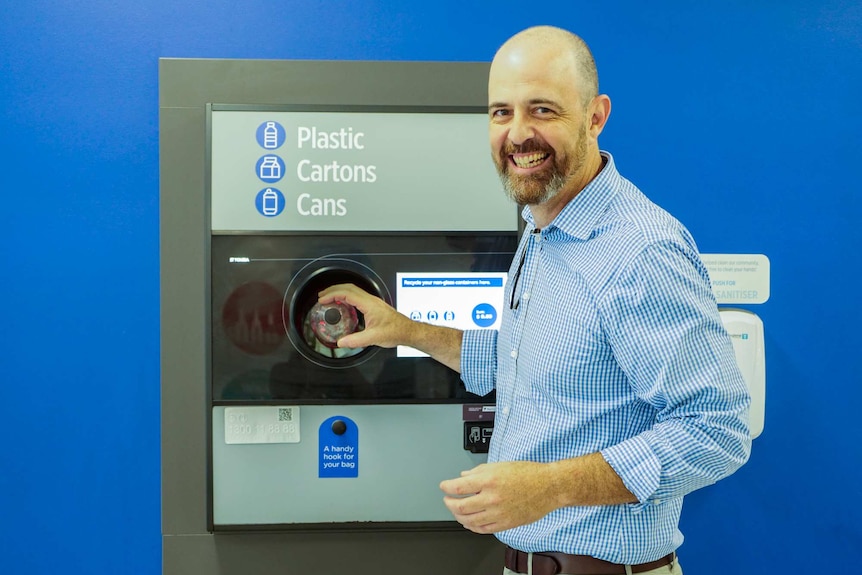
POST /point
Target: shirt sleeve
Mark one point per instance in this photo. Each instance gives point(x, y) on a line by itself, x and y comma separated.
point(663, 325)
point(479, 360)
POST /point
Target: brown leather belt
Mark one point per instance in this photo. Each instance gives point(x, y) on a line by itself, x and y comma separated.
point(554, 563)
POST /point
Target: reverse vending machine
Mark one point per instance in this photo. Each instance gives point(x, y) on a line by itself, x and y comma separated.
point(281, 452)
point(401, 201)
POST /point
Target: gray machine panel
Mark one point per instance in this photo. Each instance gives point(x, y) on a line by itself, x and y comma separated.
point(400, 469)
point(186, 87)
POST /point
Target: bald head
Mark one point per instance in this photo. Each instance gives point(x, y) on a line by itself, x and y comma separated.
point(545, 116)
point(547, 49)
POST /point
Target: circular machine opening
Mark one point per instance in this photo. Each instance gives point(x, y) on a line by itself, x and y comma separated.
point(303, 318)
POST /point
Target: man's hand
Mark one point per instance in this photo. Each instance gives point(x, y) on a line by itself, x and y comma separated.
point(493, 497)
point(384, 326)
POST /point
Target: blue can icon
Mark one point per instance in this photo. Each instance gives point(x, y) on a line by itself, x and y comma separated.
point(269, 202)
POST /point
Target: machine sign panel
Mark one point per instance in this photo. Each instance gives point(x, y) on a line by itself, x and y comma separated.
point(332, 169)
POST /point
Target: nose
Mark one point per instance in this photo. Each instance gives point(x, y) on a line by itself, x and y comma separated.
point(520, 129)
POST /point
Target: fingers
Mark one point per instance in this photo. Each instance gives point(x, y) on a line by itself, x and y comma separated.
point(459, 487)
point(462, 500)
point(464, 506)
point(347, 293)
point(472, 501)
point(355, 340)
point(468, 511)
point(471, 512)
point(462, 485)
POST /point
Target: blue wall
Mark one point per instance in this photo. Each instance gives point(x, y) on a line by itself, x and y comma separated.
point(742, 118)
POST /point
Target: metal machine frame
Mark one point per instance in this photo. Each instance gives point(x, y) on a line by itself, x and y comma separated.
point(186, 87)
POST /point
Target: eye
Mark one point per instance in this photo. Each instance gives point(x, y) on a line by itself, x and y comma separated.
point(500, 113)
point(542, 111)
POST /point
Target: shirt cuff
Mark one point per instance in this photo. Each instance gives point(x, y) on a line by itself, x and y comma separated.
point(637, 465)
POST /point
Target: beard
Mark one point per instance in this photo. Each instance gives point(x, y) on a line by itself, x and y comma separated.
point(531, 191)
point(539, 187)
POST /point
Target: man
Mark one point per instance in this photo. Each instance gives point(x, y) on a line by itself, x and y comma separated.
point(617, 386)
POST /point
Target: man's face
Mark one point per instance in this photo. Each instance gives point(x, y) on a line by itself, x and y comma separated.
point(538, 125)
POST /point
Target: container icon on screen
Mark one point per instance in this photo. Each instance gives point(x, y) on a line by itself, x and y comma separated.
point(269, 202)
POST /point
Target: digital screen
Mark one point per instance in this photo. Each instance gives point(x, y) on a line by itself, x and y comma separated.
point(466, 300)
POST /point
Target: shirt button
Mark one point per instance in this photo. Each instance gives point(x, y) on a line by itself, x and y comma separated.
point(656, 501)
point(537, 238)
point(514, 353)
point(506, 410)
point(526, 296)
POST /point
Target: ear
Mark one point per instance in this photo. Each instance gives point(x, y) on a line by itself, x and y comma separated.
point(598, 112)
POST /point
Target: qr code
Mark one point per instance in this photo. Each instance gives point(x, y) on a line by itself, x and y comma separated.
point(285, 414)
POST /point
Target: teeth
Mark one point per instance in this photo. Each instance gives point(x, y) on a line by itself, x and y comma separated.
point(529, 161)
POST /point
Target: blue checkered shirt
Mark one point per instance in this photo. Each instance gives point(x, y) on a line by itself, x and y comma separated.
point(614, 345)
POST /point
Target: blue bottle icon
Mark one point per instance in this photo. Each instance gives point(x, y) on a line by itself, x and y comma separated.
point(270, 135)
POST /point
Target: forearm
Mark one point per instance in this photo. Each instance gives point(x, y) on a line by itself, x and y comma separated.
point(441, 343)
point(585, 481)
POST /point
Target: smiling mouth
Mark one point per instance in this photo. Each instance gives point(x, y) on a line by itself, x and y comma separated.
point(527, 161)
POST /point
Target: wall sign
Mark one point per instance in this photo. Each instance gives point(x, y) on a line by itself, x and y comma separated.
point(738, 278)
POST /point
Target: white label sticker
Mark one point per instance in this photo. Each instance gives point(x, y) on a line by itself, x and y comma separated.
point(738, 278)
point(261, 424)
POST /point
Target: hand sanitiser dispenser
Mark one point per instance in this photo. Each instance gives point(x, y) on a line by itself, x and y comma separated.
point(746, 333)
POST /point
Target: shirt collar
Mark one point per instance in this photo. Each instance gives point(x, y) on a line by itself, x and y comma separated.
point(579, 216)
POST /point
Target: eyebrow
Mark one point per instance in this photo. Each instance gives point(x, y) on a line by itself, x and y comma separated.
point(533, 102)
